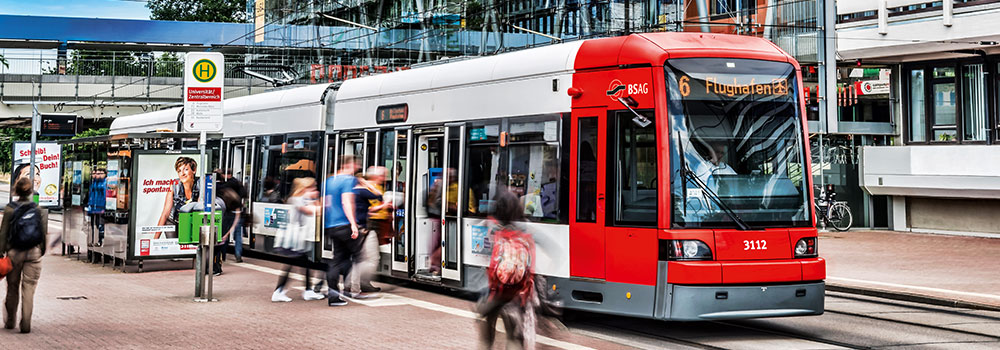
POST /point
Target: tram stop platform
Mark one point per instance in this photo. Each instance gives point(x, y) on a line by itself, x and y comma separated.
point(79, 305)
point(919, 267)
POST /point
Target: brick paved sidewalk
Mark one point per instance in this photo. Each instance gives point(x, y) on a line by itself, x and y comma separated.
point(154, 310)
point(962, 269)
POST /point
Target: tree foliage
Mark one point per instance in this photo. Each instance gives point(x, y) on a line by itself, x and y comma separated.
point(87, 147)
point(121, 63)
point(8, 136)
point(198, 10)
point(92, 132)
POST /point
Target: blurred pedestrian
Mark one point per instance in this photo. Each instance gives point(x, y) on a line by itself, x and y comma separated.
point(341, 227)
point(96, 203)
point(270, 193)
point(380, 214)
point(511, 274)
point(22, 239)
point(293, 240)
point(226, 180)
point(365, 193)
point(231, 210)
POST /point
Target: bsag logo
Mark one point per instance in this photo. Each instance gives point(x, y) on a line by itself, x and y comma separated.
point(617, 89)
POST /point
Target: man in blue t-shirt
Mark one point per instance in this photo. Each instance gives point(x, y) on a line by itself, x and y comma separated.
point(341, 226)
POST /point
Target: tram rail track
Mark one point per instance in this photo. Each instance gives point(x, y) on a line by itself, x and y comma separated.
point(715, 336)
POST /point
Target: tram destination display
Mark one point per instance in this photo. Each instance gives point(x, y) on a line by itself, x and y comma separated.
point(165, 185)
point(47, 170)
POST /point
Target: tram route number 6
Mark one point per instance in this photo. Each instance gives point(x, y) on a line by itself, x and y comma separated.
point(755, 245)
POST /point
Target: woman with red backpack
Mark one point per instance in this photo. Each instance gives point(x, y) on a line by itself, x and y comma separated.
point(511, 276)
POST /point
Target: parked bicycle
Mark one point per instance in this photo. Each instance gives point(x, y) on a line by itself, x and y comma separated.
point(833, 213)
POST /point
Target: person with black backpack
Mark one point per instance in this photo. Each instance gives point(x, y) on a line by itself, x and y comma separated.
point(22, 239)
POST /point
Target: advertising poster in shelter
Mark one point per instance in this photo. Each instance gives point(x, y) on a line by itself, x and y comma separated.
point(47, 170)
point(111, 185)
point(76, 186)
point(165, 185)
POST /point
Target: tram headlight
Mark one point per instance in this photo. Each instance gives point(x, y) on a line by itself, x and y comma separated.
point(686, 250)
point(690, 249)
point(805, 247)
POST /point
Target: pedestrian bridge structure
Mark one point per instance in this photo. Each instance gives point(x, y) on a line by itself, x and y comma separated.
point(44, 71)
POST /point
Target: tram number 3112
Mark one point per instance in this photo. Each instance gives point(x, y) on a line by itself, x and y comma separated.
point(755, 245)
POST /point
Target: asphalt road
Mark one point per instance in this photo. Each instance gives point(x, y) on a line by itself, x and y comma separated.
point(850, 322)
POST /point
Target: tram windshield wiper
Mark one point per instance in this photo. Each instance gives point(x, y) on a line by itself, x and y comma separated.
point(688, 175)
point(639, 119)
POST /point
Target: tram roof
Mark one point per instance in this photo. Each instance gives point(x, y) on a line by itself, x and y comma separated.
point(524, 63)
point(167, 118)
point(655, 48)
point(635, 49)
point(164, 118)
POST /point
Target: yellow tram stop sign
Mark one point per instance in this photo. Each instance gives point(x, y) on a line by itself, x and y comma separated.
point(204, 77)
point(204, 70)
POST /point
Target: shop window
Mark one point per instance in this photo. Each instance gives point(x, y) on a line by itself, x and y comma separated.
point(864, 95)
point(917, 106)
point(943, 109)
point(974, 125)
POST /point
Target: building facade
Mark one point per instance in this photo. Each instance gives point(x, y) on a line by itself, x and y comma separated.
point(939, 168)
point(358, 37)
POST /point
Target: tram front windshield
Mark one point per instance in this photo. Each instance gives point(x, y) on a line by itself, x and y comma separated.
point(737, 155)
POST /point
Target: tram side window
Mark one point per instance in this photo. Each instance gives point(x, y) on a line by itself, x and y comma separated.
point(586, 207)
point(284, 159)
point(633, 180)
point(529, 167)
point(484, 167)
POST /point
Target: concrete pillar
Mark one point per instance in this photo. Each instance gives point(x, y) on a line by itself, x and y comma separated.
point(827, 66)
point(897, 210)
point(703, 15)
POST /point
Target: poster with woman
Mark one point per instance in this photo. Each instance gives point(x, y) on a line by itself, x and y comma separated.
point(165, 185)
point(47, 170)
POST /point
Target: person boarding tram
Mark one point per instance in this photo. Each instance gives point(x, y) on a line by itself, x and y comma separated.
point(341, 227)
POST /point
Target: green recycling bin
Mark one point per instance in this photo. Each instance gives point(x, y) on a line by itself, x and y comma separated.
point(188, 227)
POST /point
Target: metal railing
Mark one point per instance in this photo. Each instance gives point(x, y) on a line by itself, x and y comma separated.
point(118, 78)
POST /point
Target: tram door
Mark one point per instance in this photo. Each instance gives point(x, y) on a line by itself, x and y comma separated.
point(341, 145)
point(587, 236)
point(240, 162)
point(435, 233)
point(396, 143)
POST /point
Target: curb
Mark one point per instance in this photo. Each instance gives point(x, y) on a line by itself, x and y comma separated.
point(910, 297)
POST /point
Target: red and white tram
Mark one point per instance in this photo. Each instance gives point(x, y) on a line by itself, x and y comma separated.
point(663, 175)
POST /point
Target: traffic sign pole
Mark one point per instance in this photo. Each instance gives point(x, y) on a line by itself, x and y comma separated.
point(204, 77)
